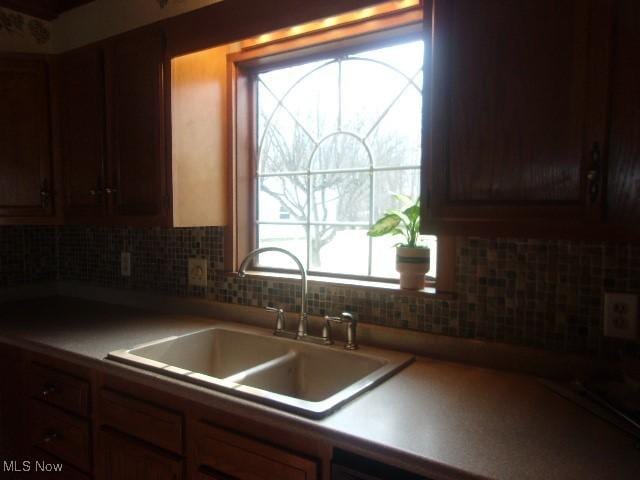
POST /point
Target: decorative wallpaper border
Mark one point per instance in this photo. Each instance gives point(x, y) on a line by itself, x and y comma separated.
point(14, 23)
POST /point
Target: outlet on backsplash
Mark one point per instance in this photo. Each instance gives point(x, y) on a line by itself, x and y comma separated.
point(198, 272)
point(125, 264)
point(620, 315)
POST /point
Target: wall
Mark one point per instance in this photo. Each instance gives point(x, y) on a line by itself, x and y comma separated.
point(27, 256)
point(24, 34)
point(546, 294)
point(102, 19)
point(541, 293)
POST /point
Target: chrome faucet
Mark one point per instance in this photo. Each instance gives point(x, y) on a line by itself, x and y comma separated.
point(302, 323)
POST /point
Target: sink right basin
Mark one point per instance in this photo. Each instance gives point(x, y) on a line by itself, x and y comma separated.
point(310, 374)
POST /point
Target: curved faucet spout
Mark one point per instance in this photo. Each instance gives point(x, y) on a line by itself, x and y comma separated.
point(242, 271)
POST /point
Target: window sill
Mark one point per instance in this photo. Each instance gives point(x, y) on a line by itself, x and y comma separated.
point(393, 288)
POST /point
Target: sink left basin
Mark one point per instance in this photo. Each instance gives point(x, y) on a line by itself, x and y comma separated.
point(215, 352)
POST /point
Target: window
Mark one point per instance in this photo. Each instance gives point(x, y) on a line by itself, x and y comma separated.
point(334, 131)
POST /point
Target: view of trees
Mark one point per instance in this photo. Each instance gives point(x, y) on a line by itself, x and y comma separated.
point(329, 151)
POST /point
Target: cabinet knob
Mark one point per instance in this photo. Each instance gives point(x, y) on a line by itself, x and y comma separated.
point(110, 191)
point(50, 437)
point(48, 390)
point(95, 193)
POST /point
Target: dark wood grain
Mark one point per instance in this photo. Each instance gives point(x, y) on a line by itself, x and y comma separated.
point(137, 169)
point(83, 134)
point(60, 434)
point(229, 455)
point(624, 143)
point(515, 106)
point(123, 458)
point(143, 420)
point(26, 188)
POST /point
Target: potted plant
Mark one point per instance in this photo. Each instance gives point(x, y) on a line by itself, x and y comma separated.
point(412, 260)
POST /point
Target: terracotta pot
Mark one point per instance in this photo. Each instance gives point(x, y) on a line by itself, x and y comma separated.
point(413, 265)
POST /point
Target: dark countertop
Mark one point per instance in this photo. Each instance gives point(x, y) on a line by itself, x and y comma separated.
point(438, 418)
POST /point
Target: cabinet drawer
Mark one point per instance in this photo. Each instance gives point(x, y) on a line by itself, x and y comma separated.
point(221, 454)
point(143, 420)
point(124, 458)
point(58, 388)
point(60, 434)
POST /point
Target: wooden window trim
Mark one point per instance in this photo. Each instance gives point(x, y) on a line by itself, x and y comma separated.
point(240, 236)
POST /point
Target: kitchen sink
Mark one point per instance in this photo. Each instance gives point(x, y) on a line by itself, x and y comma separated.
point(308, 379)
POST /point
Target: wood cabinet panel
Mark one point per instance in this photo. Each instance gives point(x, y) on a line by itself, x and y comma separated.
point(143, 420)
point(122, 458)
point(225, 455)
point(82, 103)
point(514, 113)
point(623, 194)
point(58, 389)
point(60, 434)
point(26, 188)
point(137, 171)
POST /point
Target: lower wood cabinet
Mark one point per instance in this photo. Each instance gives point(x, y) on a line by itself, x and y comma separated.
point(106, 427)
point(124, 458)
point(218, 453)
point(60, 434)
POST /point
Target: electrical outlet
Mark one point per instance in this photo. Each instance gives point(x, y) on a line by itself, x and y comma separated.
point(125, 264)
point(620, 315)
point(198, 272)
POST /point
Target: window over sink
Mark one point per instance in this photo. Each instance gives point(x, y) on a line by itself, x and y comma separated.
point(333, 121)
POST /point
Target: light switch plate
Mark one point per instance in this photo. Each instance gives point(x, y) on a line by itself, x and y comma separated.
point(620, 315)
point(125, 264)
point(198, 272)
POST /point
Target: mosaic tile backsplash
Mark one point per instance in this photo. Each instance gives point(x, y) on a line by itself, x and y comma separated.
point(540, 293)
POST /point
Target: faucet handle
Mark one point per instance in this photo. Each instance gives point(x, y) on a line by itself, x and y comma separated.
point(347, 319)
point(327, 336)
point(280, 318)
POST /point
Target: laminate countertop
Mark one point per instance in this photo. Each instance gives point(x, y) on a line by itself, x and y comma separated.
point(439, 419)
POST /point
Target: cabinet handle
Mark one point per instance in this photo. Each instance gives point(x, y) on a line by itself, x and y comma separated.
point(48, 390)
point(50, 437)
point(95, 193)
point(593, 175)
point(110, 191)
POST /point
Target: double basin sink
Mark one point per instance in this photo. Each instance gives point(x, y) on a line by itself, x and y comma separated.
point(304, 378)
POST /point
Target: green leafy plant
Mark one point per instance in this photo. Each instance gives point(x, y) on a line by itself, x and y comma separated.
point(404, 221)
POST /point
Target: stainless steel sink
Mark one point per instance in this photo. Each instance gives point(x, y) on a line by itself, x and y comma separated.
point(308, 379)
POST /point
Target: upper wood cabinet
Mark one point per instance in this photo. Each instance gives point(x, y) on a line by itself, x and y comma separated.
point(137, 174)
point(82, 118)
point(112, 132)
point(515, 115)
point(623, 193)
point(26, 169)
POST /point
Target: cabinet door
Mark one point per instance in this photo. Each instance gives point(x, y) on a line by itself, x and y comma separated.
point(515, 110)
point(122, 458)
point(624, 142)
point(25, 150)
point(82, 133)
point(137, 187)
point(218, 453)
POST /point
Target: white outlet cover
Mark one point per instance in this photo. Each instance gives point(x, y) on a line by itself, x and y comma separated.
point(620, 315)
point(198, 272)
